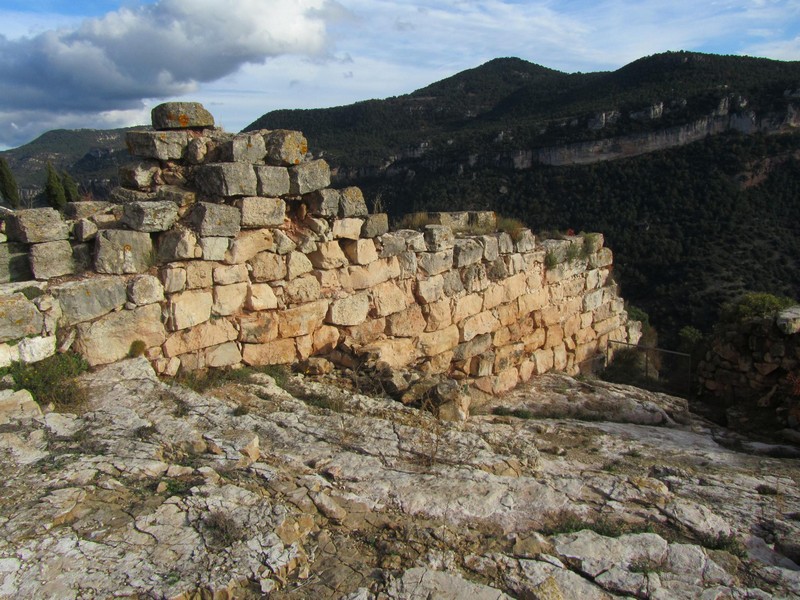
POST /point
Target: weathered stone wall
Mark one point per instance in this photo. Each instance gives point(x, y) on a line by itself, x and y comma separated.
point(754, 361)
point(223, 249)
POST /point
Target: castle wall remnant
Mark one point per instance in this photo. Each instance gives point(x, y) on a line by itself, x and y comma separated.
point(221, 249)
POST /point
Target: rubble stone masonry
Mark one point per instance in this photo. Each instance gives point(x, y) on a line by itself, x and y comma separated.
point(223, 249)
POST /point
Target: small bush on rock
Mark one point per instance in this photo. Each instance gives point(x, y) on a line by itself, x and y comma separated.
point(51, 380)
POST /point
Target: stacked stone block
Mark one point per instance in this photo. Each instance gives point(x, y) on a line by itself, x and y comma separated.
point(224, 249)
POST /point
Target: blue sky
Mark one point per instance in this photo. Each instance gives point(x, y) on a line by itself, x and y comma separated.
point(106, 63)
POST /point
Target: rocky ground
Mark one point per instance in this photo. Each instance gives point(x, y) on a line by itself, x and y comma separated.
point(583, 489)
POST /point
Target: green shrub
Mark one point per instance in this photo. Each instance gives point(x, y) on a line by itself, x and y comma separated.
point(137, 348)
point(511, 226)
point(51, 380)
point(550, 260)
point(573, 253)
point(520, 413)
point(637, 314)
point(590, 240)
point(416, 220)
point(754, 305)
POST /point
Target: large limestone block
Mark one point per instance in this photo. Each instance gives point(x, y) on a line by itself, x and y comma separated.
point(514, 287)
point(328, 255)
point(388, 299)
point(302, 290)
point(14, 264)
point(88, 299)
point(525, 242)
point(367, 276)
point(285, 147)
point(438, 238)
point(121, 195)
point(205, 335)
point(484, 322)
point(303, 320)
point(224, 355)
point(18, 317)
point(360, 252)
point(36, 225)
point(109, 338)
point(408, 323)
point(543, 361)
point(85, 209)
point(467, 251)
point(325, 339)
point(262, 212)
point(16, 406)
point(199, 274)
point(352, 203)
point(279, 352)
point(375, 225)
point(51, 259)
point(323, 203)
point(273, 182)
point(349, 229)
point(430, 290)
point(249, 244)
point(391, 244)
point(215, 220)
point(139, 175)
point(258, 328)
point(309, 177)
point(394, 353)
point(504, 243)
point(159, 145)
point(467, 306)
point(181, 115)
point(349, 311)
point(267, 266)
point(226, 179)
point(457, 221)
point(189, 308)
point(788, 320)
point(491, 247)
point(438, 315)
point(119, 252)
point(475, 278)
point(297, 265)
point(436, 342)
point(177, 244)
point(150, 216)
point(214, 248)
point(173, 278)
point(477, 346)
point(229, 299)
point(228, 274)
point(260, 296)
point(243, 148)
point(434, 263)
point(145, 289)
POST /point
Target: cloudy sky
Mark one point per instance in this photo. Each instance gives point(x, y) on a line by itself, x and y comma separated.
point(106, 63)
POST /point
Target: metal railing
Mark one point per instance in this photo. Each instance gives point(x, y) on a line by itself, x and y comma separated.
point(659, 369)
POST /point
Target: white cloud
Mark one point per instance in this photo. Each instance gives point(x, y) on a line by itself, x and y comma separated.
point(247, 57)
point(159, 50)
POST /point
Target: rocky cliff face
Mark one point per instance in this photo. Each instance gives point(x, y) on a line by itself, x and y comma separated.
point(151, 490)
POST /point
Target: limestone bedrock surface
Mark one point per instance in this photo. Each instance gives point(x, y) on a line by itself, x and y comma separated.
point(311, 490)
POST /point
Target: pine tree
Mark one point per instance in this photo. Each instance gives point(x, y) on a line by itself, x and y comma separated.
point(8, 185)
point(54, 190)
point(70, 187)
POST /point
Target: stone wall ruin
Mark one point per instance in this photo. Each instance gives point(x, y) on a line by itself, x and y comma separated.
point(221, 249)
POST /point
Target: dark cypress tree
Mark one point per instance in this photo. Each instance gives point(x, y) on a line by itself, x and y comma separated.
point(70, 187)
point(8, 185)
point(54, 190)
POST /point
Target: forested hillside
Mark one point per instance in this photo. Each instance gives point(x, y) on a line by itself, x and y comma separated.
point(691, 226)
